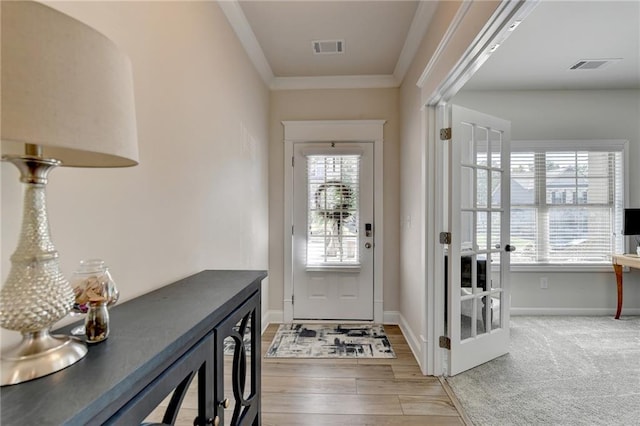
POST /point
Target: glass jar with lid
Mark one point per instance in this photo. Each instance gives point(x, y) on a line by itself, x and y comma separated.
point(92, 284)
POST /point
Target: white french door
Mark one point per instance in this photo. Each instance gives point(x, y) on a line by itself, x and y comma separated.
point(333, 231)
point(478, 253)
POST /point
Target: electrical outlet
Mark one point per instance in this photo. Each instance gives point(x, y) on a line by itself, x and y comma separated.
point(544, 282)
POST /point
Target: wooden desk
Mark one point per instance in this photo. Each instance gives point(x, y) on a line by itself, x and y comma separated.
point(158, 342)
point(620, 260)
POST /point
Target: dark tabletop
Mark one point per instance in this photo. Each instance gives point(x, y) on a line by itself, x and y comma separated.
point(145, 334)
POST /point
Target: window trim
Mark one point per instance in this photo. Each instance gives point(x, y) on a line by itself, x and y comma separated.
point(558, 145)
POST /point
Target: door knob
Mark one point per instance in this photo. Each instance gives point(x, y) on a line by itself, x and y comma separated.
point(225, 403)
point(367, 245)
point(509, 247)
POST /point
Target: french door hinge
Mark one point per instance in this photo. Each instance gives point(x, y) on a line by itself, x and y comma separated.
point(445, 342)
point(445, 134)
point(445, 238)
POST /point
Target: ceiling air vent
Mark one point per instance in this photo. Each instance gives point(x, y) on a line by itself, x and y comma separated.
point(592, 64)
point(323, 47)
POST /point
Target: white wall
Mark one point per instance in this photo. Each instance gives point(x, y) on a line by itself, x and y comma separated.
point(584, 114)
point(338, 104)
point(198, 199)
point(414, 160)
point(412, 253)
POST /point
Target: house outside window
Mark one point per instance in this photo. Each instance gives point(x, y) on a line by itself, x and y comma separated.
point(567, 202)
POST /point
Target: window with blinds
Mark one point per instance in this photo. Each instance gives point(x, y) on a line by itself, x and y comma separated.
point(333, 207)
point(566, 202)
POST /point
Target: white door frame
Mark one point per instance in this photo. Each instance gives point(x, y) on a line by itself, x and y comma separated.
point(456, 58)
point(334, 131)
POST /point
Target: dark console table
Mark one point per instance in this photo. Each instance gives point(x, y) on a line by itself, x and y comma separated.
point(158, 344)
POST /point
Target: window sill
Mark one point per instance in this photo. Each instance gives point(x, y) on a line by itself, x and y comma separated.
point(547, 267)
point(333, 268)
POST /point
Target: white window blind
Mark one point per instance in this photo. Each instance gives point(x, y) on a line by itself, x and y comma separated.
point(333, 207)
point(566, 202)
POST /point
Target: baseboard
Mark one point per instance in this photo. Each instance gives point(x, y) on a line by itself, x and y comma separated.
point(391, 317)
point(572, 311)
point(417, 345)
point(272, 317)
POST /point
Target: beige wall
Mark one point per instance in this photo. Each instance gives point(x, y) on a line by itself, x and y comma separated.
point(413, 159)
point(356, 104)
point(198, 199)
point(412, 191)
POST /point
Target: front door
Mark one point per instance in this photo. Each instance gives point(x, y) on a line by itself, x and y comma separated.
point(333, 231)
point(479, 199)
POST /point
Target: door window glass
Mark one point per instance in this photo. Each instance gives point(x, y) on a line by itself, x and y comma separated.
point(333, 207)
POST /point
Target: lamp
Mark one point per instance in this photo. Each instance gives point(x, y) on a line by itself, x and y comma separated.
point(67, 99)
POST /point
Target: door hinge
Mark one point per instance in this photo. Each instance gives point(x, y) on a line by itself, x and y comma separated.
point(445, 238)
point(445, 134)
point(293, 161)
point(292, 299)
point(445, 342)
point(291, 229)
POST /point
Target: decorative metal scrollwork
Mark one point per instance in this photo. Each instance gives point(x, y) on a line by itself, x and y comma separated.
point(171, 413)
point(239, 371)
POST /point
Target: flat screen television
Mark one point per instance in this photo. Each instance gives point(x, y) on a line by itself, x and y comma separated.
point(631, 222)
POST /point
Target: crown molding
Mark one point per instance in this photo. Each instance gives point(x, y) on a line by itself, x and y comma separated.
point(417, 30)
point(335, 82)
point(456, 22)
point(239, 23)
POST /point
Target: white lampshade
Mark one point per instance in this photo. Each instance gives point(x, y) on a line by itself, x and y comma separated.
point(66, 98)
point(65, 87)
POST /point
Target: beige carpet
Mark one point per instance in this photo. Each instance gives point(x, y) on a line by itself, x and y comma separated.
point(560, 371)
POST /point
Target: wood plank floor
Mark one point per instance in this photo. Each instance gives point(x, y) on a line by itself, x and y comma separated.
point(317, 392)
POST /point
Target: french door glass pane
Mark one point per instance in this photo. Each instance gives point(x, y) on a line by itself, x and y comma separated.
point(466, 230)
point(482, 188)
point(482, 146)
point(466, 144)
point(496, 149)
point(481, 311)
point(496, 318)
point(466, 188)
point(481, 231)
point(495, 230)
point(496, 177)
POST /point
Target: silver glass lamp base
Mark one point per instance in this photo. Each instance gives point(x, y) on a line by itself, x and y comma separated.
point(36, 295)
point(39, 354)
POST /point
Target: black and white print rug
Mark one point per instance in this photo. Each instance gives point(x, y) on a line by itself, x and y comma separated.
point(330, 341)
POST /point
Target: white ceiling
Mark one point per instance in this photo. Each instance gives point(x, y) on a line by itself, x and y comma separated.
point(373, 34)
point(381, 37)
point(556, 35)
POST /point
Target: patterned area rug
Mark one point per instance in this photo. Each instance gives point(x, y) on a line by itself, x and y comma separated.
point(330, 341)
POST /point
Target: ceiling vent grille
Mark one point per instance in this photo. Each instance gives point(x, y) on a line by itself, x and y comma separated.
point(592, 64)
point(324, 47)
